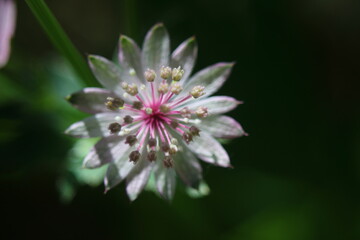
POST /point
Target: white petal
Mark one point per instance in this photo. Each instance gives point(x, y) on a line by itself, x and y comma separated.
point(212, 78)
point(94, 126)
point(156, 48)
point(185, 56)
point(130, 58)
point(209, 150)
point(91, 100)
point(107, 73)
point(165, 181)
point(221, 127)
point(188, 168)
point(119, 170)
point(215, 105)
point(138, 177)
point(105, 151)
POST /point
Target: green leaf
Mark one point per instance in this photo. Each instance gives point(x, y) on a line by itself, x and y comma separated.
point(61, 41)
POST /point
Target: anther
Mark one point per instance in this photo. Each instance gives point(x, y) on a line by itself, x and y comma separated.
point(152, 142)
point(174, 141)
point(132, 72)
point(201, 112)
point(173, 149)
point(128, 119)
point(164, 108)
point(177, 73)
point(124, 85)
point(194, 131)
point(148, 110)
point(150, 75)
point(163, 88)
point(197, 91)
point(114, 103)
point(176, 88)
point(151, 156)
point(134, 156)
point(165, 72)
point(165, 147)
point(174, 124)
point(137, 105)
point(131, 140)
point(132, 89)
point(187, 137)
point(114, 127)
point(185, 112)
point(168, 162)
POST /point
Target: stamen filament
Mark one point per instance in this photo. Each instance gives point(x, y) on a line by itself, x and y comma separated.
point(180, 101)
point(143, 138)
point(165, 132)
point(160, 133)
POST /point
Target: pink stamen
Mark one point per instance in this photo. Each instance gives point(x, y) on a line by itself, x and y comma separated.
point(184, 126)
point(141, 128)
point(165, 132)
point(169, 95)
point(179, 130)
point(160, 133)
point(180, 101)
point(139, 98)
point(143, 138)
point(174, 112)
point(152, 93)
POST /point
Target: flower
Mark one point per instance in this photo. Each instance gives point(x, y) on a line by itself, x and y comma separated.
point(154, 118)
point(7, 28)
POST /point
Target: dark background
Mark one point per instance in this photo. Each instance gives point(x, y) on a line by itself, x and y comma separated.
point(296, 175)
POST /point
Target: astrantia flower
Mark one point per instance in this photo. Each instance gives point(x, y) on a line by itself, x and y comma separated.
point(153, 118)
point(7, 28)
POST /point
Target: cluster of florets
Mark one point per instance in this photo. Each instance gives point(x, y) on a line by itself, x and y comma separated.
point(154, 125)
point(153, 113)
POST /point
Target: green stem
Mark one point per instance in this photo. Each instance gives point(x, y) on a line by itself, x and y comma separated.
point(61, 41)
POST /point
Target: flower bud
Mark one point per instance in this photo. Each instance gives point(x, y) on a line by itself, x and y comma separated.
point(174, 124)
point(177, 74)
point(151, 156)
point(114, 127)
point(187, 137)
point(131, 140)
point(174, 141)
point(128, 119)
point(176, 88)
point(163, 88)
point(132, 72)
point(201, 112)
point(194, 131)
point(185, 112)
point(132, 89)
point(134, 156)
point(137, 105)
point(164, 108)
point(124, 85)
point(173, 149)
point(150, 75)
point(165, 72)
point(152, 142)
point(197, 91)
point(165, 147)
point(114, 103)
point(148, 111)
point(168, 162)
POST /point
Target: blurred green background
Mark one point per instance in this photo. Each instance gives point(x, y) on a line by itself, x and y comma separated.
point(296, 175)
